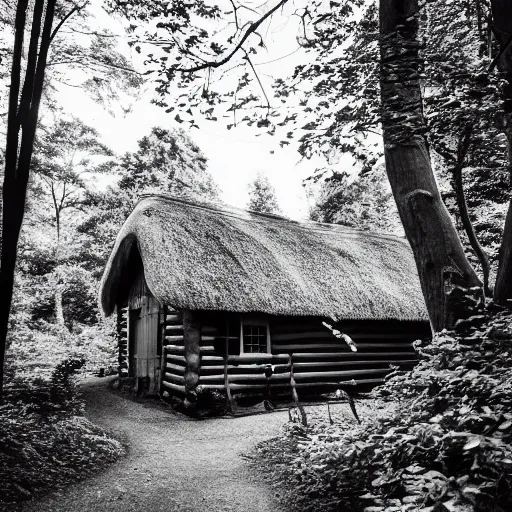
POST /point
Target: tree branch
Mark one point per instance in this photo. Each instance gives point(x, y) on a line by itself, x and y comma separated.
point(462, 151)
point(63, 20)
point(257, 78)
point(250, 30)
point(11, 153)
point(503, 49)
point(26, 93)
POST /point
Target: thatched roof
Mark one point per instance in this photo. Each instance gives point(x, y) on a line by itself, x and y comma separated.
point(209, 258)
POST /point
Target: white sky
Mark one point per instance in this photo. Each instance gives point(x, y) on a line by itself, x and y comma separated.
point(235, 156)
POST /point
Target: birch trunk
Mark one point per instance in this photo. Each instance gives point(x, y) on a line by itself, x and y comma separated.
point(437, 249)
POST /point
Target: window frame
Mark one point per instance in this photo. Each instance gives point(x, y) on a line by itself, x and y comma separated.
point(257, 322)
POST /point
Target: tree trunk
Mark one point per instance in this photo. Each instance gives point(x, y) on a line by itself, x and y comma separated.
point(458, 186)
point(59, 310)
point(22, 117)
point(469, 229)
point(437, 249)
point(192, 343)
point(502, 21)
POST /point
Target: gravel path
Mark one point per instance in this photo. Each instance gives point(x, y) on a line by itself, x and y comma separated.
point(174, 463)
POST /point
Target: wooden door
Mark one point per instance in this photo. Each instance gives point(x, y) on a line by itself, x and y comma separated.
point(134, 317)
point(144, 359)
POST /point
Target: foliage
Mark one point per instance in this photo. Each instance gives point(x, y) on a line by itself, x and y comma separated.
point(45, 442)
point(83, 53)
point(448, 446)
point(262, 196)
point(166, 162)
point(364, 202)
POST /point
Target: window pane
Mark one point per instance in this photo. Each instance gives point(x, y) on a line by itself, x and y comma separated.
point(255, 339)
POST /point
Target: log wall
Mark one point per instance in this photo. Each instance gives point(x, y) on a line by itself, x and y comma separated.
point(319, 359)
point(173, 352)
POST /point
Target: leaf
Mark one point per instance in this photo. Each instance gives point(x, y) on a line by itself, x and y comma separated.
point(505, 426)
point(473, 443)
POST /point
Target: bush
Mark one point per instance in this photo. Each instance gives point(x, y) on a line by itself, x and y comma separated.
point(45, 442)
point(447, 448)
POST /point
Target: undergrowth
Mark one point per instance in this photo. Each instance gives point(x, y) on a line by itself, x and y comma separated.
point(446, 447)
point(45, 441)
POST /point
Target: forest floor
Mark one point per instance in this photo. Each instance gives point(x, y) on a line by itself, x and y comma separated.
point(173, 462)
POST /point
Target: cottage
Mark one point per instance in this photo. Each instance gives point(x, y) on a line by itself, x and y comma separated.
point(221, 298)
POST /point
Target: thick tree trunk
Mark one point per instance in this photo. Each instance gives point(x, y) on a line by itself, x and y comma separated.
point(192, 342)
point(437, 249)
point(502, 20)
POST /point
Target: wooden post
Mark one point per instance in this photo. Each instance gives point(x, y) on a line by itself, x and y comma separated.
point(296, 396)
point(191, 341)
point(226, 379)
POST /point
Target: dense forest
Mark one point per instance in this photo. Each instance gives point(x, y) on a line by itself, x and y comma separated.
point(417, 94)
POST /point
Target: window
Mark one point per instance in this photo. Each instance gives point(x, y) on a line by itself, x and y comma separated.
point(254, 337)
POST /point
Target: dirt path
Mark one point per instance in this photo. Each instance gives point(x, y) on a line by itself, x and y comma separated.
point(174, 463)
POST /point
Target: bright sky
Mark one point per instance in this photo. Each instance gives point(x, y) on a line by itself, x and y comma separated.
point(235, 156)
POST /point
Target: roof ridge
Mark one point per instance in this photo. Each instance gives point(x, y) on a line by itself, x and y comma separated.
point(233, 211)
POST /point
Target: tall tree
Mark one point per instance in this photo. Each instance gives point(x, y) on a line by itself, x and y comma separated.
point(62, 167)
point(502, 24)
point(262, 196)
point(438, 252)
point(21, 129)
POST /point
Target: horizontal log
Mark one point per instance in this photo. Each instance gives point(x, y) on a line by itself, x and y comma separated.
point(301, 356)
point(212, 359)
point(357, 382)
point(290, 347)
point(361, 335)
point(207, 338)
point(339, 374)
point(257, 358)
point(175, 358)
point(174, 339)
point(172, 318)
point(244, 387)
point(335, 346)
point(209, 349)
point(174, 378)
point(245, 358)
point(174, 387)
point(175, 368)
point(243, 377)
point(211, 329)
point(298, 366)
point(173, 328)
point(259, 367)
point(174, 348)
